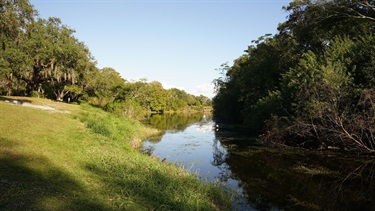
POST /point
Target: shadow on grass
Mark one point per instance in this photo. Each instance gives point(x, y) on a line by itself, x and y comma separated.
point(156, 189)
point(11, 99)
point(48, 188)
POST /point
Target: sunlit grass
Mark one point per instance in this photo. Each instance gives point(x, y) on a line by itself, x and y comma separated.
point(80, 158)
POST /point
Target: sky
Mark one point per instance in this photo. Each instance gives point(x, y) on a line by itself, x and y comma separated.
point(180, 43)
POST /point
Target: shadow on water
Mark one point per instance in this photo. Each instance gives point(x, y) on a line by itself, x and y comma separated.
point(294, 179)
point(24, 188)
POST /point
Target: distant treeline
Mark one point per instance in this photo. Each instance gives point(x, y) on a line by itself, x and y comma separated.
point(310, 85)
point(42, 58)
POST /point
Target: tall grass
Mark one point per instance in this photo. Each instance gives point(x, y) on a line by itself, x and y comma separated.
point(82, 160)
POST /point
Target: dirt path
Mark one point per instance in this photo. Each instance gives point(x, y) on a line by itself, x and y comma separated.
point(43, 107)
point(39, 106)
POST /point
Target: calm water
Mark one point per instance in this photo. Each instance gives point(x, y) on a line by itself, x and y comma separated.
point(265, 178)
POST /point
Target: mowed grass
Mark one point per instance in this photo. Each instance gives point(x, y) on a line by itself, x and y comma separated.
point(80, 158)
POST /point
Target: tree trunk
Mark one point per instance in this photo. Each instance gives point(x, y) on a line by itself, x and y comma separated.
point(60, 95)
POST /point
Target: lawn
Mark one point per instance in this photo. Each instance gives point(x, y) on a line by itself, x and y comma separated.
point(77, 157)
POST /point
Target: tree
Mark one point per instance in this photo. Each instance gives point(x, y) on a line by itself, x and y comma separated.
point(327, 100)
point(15, 16)
point(310, 85)
point(14, 19)
point(157, 97)
point(107, 87)
point(175, 100)
point(13, 67)
point(250, 78)
point(228, 102)
point(358, 9)
point(41, 57)
point(58, 58)
point(204, 101)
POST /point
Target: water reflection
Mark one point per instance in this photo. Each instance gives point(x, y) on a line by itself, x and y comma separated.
point(173, 122)
point(295, 179)
point(267, 178)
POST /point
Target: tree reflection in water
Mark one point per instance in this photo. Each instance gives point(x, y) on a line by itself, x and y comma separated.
point(295, 179)
point(173, 122)
point(219, 155)
point(266, 178)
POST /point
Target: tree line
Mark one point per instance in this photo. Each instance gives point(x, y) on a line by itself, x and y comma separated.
point(310, 85)
point(42, 58)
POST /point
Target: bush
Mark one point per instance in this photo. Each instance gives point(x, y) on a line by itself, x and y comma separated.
point(36, 94)
point(127, 108)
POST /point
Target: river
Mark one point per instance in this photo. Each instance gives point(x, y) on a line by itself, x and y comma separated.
point(264, 178)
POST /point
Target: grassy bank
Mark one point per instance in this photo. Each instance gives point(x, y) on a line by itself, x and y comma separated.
point(71, 157)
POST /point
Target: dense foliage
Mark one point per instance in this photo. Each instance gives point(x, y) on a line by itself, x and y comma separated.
point(310, 85)
point(42, 58)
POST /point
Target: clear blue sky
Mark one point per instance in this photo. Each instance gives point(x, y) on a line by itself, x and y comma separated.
point(179, 43)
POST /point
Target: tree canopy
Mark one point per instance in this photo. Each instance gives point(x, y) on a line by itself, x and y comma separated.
point(42, 58)
point(311, 84)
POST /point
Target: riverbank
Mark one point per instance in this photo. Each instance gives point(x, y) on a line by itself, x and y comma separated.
point(77, 157)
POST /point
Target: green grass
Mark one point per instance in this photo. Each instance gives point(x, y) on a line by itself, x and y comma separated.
point(80, 158)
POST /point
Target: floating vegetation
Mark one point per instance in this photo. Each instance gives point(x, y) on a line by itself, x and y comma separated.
point(313, 170)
